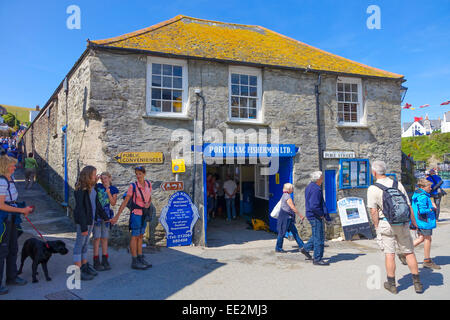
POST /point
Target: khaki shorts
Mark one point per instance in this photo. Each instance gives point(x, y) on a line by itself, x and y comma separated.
point(392, 237)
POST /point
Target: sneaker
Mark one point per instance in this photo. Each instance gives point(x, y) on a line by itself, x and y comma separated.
point(142, 260)
point(320, 263)
point(16, 282)
point(136, 264)
point(3, 290)
point(90, 270)
point(430, 264)
point(390, 287)
point(306, 253)
point(105, 262)
point(402, 259)
point(97, 265)
point(280, 251)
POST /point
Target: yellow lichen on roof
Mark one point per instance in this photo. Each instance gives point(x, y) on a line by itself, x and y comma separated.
point(241, 43)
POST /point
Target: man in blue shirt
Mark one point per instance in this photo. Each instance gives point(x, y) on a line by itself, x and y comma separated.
point(316, 212)
point(436, 191)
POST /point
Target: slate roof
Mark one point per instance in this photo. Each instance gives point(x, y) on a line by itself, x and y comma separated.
point(192, 37)
point(435, 124)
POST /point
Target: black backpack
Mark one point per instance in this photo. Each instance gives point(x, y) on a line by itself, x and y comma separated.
point(395, 204)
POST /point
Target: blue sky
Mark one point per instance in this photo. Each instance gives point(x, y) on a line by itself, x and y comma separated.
point(37, 49)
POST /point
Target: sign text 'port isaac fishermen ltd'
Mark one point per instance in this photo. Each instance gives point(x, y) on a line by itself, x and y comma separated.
point(139, 157)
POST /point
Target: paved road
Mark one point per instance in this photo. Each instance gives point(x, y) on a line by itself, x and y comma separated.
point(238, 265)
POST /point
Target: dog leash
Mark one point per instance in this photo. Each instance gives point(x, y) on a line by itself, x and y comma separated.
point(45, 241)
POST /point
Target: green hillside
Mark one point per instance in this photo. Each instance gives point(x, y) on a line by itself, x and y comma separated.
point(22, 114)
point(422, 148)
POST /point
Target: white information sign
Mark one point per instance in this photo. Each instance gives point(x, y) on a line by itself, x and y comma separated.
point(338, 154)
point(352, 211)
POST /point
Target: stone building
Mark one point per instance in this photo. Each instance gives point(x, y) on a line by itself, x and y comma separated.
point(138, 91)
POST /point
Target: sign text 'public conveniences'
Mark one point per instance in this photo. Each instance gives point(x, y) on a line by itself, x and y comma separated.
point(139, 157)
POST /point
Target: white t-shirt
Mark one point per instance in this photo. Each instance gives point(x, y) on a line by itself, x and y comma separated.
point(375, 195)
point(229, 186)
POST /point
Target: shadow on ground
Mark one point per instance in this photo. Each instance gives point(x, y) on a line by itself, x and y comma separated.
point(428, 278)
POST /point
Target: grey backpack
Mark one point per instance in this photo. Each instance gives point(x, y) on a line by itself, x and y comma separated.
point(395, 205)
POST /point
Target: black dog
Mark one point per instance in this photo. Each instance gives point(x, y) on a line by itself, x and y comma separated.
point(38, 251)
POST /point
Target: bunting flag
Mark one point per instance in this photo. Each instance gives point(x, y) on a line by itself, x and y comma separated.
point(424, 106)
point(417, 119)
point(407, 106)
point(445, 103)
point(412, 108)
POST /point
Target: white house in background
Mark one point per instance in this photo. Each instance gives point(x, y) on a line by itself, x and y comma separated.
point(445, 124)
point(420, 128)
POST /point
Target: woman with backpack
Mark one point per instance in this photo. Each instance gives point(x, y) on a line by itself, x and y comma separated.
point(87, 210)
point(425, 215)
point(140, 194)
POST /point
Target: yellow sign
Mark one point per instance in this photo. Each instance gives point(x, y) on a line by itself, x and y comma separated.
point(140, 157)
point(277, 178)
point(178, 166)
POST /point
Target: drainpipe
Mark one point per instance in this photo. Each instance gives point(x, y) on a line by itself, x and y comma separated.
point(64, 131)
point(319, 139)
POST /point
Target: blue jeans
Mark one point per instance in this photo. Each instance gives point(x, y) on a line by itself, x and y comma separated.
point(230, 207)
point(317, 240)
point(80, 250)
point(291, 228)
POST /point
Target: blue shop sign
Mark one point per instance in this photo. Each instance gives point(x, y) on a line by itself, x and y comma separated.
point(178, 219)
point(214, 150)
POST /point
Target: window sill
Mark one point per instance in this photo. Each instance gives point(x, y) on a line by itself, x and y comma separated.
point(352, 125)
point(246, 122)
point(167, 116)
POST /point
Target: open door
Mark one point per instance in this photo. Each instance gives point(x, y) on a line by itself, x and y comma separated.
point(276, 183)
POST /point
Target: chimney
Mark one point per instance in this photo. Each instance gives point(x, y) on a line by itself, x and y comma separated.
point(38, 108)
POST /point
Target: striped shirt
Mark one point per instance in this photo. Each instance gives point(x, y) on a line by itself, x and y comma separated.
point(12, 190)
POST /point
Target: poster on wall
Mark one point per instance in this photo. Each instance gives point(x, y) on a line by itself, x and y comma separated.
point(354, 219)
point(178, 219)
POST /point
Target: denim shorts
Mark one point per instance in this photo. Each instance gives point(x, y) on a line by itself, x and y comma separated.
point(137, 226)
point(101, 230)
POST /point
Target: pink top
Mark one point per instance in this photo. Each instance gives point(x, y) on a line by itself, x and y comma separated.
point(146, 191)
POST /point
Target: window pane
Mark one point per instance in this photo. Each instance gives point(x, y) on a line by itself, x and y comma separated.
point(243, 112)
point(235, 101)
point(167, 94)
point(244, 90)
point(177, 107)
point(156, 81)
point(234, 78)
point(167, 106)
point(347, 87)
point(252, 103)
point(353, 117)
point(340, 117)
point(167, 82)
point(346, 107)
point(354, 97)
point(235, 90)
point(347, 117)
point(252, 113)
point(244, 79)
point(167, 70)
point(353, 108)
point(340, 97)
point(176, 95)
point(177, 71)
point(340, 87)
point(177, 83)
point(156, 68)
point(156, 93)
point(253, 80)
point(253, 91)
point(354, 87)
point(340, 107)
point(156, 105)
point(348, 97)
point(235, 112)
point(243, 102)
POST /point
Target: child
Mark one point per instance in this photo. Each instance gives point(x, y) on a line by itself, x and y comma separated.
point(107, 195)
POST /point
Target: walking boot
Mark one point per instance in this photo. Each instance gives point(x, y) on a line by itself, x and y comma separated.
point(144, 262)
point(97, 265)
point(136, 264)
point(105, 262)
point(402, 259)
point(428, 263)
point(3, 290)
point(306, 253)
point(84, 274)
point(389, 285)
point(89, 269)
point(418, 287)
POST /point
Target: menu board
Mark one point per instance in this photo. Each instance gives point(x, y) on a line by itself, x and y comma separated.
point(354, 173)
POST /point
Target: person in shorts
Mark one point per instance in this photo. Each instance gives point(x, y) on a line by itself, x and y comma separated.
point(140, 192)
point(425, 215)
point(107, 196)
point(390, 237)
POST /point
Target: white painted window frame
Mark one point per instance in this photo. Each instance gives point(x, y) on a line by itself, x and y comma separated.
point(259, 176)
point(360, 110)
point(251, 72)
point(184, 87)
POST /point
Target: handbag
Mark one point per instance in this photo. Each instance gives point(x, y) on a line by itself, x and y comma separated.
point(276, 210)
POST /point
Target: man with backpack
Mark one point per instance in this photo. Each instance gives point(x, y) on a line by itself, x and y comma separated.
point(391, 212)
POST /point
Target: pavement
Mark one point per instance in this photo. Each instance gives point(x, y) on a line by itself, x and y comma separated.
point(238, 264)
